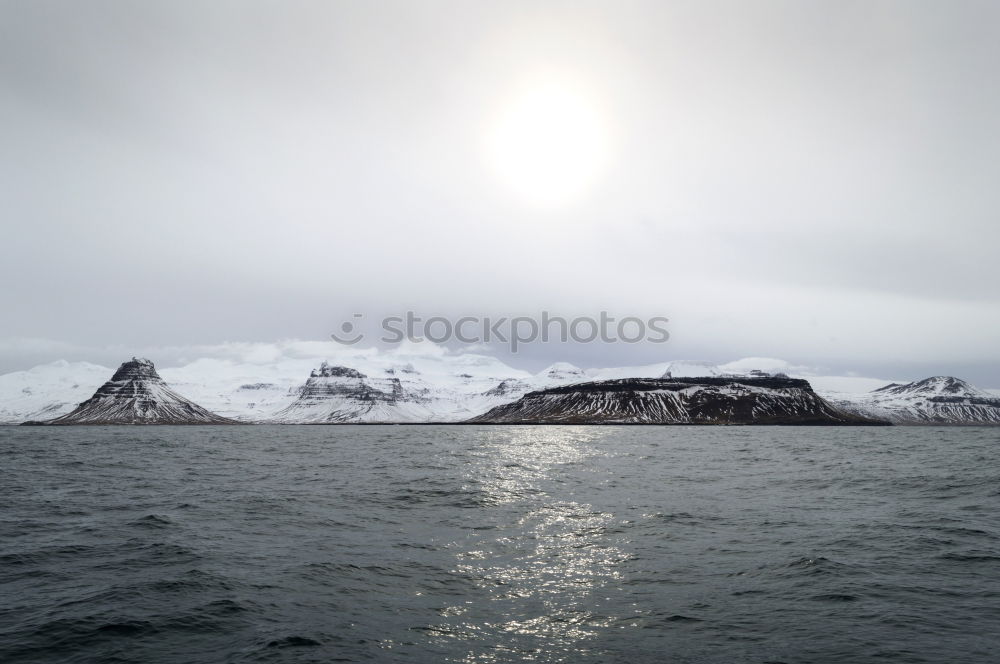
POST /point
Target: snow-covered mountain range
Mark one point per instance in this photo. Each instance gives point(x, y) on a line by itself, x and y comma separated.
point(372, 386)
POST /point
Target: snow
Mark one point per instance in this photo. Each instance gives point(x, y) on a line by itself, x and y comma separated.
point(843, 386)
point(691, 369)
point(643, 371)
point(48, 390)
point(766, 364)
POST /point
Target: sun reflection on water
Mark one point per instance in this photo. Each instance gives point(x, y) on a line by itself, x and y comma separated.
point(544, 559)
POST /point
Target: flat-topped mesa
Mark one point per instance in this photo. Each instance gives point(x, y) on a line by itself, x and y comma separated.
point(137, 395)
point(707, 400)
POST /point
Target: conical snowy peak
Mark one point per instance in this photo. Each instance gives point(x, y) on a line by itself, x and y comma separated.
point(137, 395)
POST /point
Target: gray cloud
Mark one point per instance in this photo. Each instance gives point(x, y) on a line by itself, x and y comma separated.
point(800, 180)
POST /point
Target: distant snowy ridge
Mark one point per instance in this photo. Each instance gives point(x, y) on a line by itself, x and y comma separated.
point(935, 400)
point(48, 390)
point(692, 369)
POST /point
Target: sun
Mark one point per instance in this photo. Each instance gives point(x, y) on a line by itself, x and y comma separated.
point(548, 144)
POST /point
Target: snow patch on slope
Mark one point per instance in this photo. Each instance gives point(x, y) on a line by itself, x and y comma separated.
point(48, 390)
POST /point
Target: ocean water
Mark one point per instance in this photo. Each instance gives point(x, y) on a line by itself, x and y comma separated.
point(499, 544)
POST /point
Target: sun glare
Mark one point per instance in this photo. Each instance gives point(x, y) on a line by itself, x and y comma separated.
point(548, 144)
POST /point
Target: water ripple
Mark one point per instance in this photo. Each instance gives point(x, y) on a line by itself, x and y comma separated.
point(498, 544)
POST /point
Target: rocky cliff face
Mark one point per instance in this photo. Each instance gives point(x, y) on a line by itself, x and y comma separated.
point(335, 394)
point(137, 395)
point(709, 400)
point(935, 400)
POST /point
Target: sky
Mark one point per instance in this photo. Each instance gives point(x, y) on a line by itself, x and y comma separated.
point(808, 181)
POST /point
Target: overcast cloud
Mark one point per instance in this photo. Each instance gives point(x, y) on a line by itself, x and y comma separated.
point(810, 181)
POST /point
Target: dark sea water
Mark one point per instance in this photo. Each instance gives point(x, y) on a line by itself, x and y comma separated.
point(499, 544)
